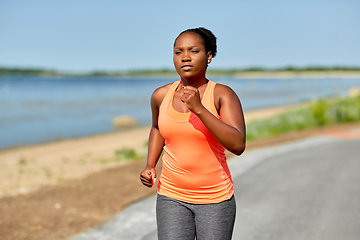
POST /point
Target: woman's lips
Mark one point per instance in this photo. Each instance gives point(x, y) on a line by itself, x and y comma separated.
point(186, 67)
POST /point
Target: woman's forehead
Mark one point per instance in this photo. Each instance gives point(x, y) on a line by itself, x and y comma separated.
point(188, 39)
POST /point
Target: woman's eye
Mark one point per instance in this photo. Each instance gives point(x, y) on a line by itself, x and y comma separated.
point(177, 53)
point(195, 51)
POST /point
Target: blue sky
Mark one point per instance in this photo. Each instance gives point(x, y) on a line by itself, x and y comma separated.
point(86, 35)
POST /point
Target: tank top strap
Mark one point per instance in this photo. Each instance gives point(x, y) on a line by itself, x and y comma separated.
point(169, 94)
point(208, 98)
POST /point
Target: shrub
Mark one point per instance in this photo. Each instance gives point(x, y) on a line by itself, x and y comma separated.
point(317, 114)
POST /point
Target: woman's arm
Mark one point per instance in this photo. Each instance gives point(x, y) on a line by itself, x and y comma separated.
point(156, 141)
point(230, 130)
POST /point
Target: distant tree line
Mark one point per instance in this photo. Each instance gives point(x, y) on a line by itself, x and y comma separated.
point(149, 72)
point(286, 69)
point(26, 71)
point(309, 69)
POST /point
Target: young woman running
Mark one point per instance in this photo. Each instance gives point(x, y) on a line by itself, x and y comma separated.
point(194, 120)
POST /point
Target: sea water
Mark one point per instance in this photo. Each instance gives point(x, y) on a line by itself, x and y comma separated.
point(37, 109)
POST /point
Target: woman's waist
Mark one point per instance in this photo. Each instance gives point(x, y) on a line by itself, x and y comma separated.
point(208, 188)
point(194, 175)
point(189, 181)
point(194, 162)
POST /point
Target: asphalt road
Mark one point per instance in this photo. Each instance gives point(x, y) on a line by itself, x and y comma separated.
point(306, 190)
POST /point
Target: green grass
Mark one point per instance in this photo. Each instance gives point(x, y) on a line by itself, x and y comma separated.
point(317, 114)
point(47, 172)
point(23, 161)
point(127, 154)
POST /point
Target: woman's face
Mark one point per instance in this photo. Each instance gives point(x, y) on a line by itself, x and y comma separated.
point(190, 57)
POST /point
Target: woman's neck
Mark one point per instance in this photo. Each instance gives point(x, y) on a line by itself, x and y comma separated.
point(194, 82)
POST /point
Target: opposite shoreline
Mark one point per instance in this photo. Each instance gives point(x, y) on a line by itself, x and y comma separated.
point(150, 74)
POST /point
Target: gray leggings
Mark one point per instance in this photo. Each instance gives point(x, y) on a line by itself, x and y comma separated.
point(177, 220)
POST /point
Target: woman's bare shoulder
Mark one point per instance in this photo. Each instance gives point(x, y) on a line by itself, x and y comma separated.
point(159, 93)
point(222, 87)
point(222, 90)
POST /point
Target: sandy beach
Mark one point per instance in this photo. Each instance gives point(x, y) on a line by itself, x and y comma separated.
point(25, 169)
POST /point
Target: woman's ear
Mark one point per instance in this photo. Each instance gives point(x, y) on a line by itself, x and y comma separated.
point(209, 57)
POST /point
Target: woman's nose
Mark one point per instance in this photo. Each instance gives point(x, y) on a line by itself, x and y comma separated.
point(185, 57)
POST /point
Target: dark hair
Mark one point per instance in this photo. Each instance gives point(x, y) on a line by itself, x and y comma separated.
point(207, 36)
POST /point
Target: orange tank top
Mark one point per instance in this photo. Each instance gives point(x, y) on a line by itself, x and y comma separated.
point(194, 163)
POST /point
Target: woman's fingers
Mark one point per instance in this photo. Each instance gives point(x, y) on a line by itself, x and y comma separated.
point(191, 98)
point(189, 93)
point(146, 181)
point(148, 177)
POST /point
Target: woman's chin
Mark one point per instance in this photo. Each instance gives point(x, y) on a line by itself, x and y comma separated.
point(191, 75)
